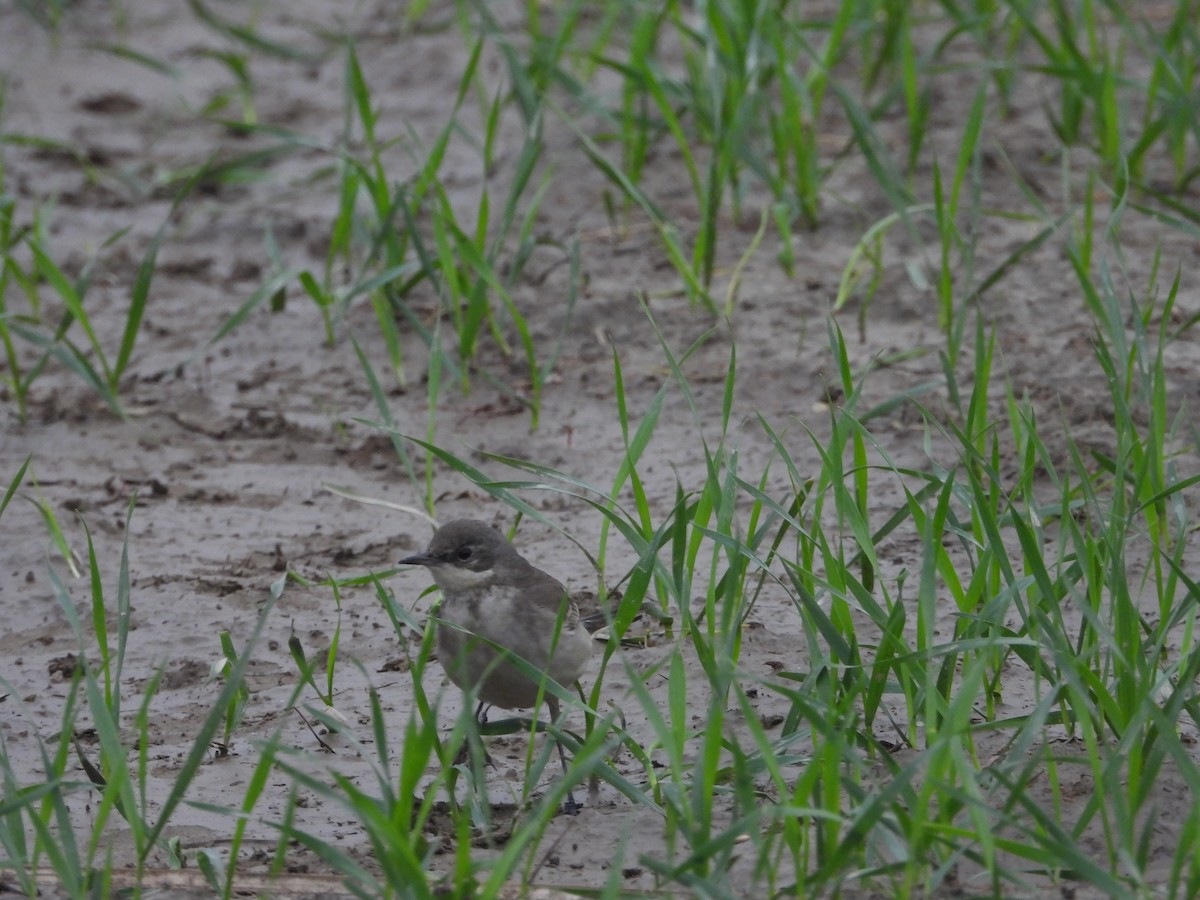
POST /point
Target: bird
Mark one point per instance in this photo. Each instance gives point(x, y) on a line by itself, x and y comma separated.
point(495, 606)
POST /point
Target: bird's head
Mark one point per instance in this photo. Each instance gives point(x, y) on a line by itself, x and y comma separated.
point(462, 555)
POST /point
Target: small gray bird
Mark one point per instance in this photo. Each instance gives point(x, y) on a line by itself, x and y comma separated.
point(489, 591)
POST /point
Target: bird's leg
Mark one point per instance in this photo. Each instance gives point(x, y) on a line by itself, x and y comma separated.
point(481, 718)
point(481, 711)
point(475, 738)
point(571, 808)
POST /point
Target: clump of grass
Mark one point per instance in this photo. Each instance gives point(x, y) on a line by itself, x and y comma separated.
point(1041, 587)
point(37, 823)
point(46, 325)
point(875, 661)
point(418, 236)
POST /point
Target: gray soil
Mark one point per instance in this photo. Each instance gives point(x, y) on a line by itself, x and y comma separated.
point(229, 445)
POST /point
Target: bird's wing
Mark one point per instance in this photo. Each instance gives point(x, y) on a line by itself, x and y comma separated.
point(548, 596)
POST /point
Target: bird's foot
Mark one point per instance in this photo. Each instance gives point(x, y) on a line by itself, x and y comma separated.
point(464, 756)
point(570, 807)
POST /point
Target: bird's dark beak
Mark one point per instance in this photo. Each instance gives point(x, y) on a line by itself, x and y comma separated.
point(419, 559)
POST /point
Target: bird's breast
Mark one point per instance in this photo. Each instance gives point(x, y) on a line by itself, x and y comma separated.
point(504, 616)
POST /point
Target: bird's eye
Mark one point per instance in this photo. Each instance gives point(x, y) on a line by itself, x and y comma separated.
point(464, 553)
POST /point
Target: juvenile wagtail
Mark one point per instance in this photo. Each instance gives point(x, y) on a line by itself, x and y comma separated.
point(496, 606)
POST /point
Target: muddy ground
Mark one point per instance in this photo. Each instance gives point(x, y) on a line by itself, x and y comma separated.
point(229, 444)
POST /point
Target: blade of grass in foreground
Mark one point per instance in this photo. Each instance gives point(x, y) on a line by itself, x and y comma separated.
point(14, 484)
point(213, 721)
